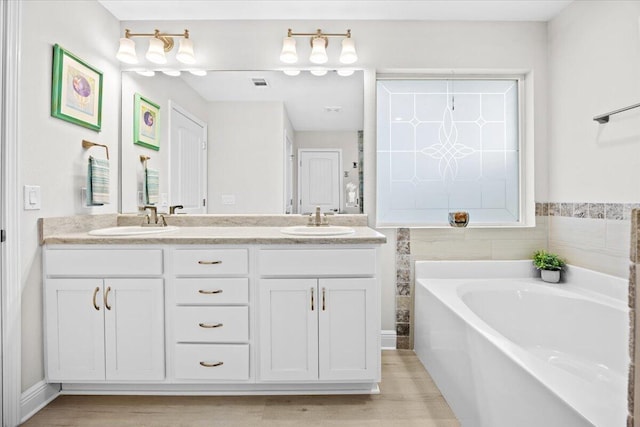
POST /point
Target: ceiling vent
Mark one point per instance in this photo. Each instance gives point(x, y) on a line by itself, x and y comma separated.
point(259, 82)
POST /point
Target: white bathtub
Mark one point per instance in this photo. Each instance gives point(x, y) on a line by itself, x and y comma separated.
point(509, 350)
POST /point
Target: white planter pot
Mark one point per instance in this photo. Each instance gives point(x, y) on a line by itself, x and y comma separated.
point(551, 276)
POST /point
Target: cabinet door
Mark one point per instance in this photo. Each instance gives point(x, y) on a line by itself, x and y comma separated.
point(288, 329)
point(348, 330)
point(134, 329)
point(74, 322)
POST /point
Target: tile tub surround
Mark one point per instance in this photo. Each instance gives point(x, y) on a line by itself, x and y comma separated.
point(634, 351)
point(403, 288)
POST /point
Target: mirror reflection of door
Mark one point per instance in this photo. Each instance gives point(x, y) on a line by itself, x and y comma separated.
point(188, 161)
point(288, 174)
point(320, 181)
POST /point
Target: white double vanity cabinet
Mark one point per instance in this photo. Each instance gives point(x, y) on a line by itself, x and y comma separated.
point(201, 310)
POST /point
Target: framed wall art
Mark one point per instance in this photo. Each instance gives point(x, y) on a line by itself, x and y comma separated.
point(76, 90)
point(146, 130)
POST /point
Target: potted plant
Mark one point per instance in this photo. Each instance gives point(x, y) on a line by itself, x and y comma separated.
point(549, 265)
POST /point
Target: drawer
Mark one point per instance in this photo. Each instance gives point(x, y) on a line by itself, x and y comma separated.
point(103, 262)
point(317, 262)
point(210, 262)
point(211, 362)
point(211, 291)
point(211, 324)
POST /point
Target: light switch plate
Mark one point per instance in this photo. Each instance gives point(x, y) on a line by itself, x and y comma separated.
point(32, 197)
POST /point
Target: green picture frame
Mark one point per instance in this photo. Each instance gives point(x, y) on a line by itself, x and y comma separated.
point(76, 90)
point(146, 123)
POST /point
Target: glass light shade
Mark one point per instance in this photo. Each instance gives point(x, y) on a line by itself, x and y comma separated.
point(345, 72)
point(146, 73)
point(348, 54)
point(288, 54)
point(199, 73)
point(318, 51)
point(172, 73)
point(318, 72)
point(155, 53)
point(291, 72)
point(127, 51)
point(185, 53)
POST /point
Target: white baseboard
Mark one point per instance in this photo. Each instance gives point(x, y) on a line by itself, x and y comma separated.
point(37, 397)
point(388, 339)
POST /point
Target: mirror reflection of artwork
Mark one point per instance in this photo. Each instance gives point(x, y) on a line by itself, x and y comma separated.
point(146, 130)
point(76, 94)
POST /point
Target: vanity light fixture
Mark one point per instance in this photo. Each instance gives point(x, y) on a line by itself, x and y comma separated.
point(319, 43)
point(159, 44)
point(146, 73)
point(345, 72)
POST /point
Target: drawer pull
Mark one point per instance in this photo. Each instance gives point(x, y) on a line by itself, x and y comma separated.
point(211, 365)
point(210, 326)
point(324, 291)
point(313, 305)
point(95, 294)
point(209, 262)
point(106, 298)
point(216, 291)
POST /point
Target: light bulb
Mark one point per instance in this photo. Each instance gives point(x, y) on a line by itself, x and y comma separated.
point(318, 51)
point(127, 51)
point(290, 72)
point(155, 53)
point(288, 54)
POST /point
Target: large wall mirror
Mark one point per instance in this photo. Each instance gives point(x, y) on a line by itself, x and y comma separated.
point(250, 142)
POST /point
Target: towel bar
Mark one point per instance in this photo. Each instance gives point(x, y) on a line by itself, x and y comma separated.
point(89, 144)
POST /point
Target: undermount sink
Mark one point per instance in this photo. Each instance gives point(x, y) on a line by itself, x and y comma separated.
point(330, 230)
point(131, 230)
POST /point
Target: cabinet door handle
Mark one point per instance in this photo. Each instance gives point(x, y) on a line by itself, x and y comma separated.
point(210, 326)
point(324, 291)
point(209, 262)
point(216, 291)
point(313, 305)
point(211, 365)
point(95, 294)
point(106, 298)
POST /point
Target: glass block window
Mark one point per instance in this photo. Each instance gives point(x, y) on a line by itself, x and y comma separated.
point(448, 145)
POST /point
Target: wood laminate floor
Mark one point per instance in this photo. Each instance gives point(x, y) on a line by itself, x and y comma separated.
point(408, 398)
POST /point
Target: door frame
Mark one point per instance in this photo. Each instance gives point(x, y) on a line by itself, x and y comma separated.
point(340, 174)
point(175, 108)
point(288, 173)
point(10, 286)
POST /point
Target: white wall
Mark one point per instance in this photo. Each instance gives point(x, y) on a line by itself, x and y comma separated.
point(246, 157)
point(51, 155)
point(594, 64)
point(347, 141)
point(160, 89)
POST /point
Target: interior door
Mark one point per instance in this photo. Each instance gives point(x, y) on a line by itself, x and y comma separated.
point(319, 180)
point(188, 161)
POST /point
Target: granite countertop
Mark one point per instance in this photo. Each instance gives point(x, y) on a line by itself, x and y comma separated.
point(74, 230)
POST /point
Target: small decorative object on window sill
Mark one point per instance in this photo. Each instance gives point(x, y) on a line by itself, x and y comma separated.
point(549, 265)
point(458, 219)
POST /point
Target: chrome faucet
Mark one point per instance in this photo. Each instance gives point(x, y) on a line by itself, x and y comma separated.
point(318, 220)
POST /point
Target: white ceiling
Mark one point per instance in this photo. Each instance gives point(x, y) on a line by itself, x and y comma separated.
point(428, 10)
point(306, 97)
